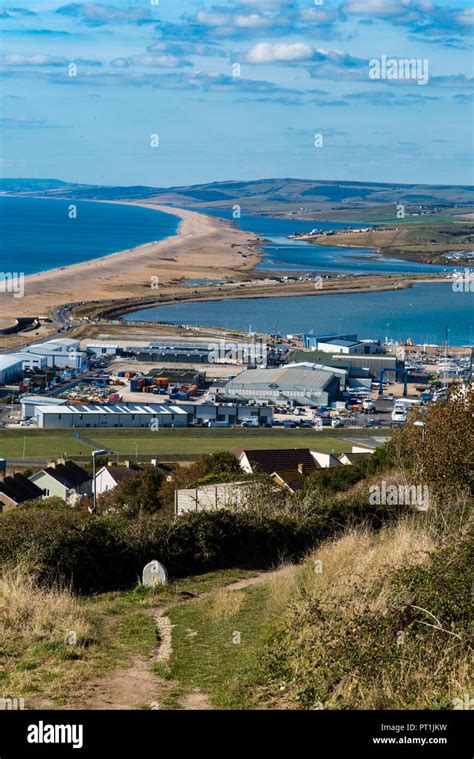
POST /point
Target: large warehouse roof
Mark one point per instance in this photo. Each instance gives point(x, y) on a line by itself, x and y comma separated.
point(300, 376)
point(152, 408)
point(10, 359)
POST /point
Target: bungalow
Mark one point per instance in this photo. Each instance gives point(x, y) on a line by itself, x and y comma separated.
point(112, 475)
point(285, 459)
point(17, 489)
point(64, 479)
point(347, 459)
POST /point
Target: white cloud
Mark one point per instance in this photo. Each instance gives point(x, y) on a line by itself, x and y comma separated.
point(466, 17)
point(161, 61)
point(266, 52)
point(33, 60)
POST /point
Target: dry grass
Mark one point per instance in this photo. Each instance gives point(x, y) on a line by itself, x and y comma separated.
point(42, 632)
point(224, 604)
point(31, 614)
point(348, 635)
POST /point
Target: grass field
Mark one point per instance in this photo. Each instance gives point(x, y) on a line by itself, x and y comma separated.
point(48, 444)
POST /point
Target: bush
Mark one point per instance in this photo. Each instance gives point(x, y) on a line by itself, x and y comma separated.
point(109, 551)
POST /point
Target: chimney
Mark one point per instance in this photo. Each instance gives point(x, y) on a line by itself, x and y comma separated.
point(301, 469)
point(154, 462)
point(51, 465)
point(110, 463)
point(127, 463)
point(61, 460)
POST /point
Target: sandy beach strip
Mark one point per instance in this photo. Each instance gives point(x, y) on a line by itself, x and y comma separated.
point(205, 247)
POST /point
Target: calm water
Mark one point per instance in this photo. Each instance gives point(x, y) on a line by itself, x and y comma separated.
point(420, 312)
point(282, 254)
point(37, 234)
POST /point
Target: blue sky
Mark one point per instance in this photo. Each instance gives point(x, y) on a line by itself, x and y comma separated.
point(170, 68)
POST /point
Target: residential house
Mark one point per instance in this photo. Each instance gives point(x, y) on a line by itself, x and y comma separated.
point(64, 479)
point(17, 489)
point(112, 475)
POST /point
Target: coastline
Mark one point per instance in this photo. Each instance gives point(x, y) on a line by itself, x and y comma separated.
point(202, 245)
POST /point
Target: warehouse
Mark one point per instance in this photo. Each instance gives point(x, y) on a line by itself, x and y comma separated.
point(60, 354)
point(152, 415)
point(29, 404)
point(227, 413)
point(305, 384)
point(11, 368)
point(181, 354)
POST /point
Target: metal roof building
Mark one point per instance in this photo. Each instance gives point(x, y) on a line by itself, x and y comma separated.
point(299, 383)
point(11, 367)
point(110, 416)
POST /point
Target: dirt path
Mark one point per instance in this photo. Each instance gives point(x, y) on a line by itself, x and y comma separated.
point(137, 685)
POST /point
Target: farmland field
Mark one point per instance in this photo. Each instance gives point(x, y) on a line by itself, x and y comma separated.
point(48, 444)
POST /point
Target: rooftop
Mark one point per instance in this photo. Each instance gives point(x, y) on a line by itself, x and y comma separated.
point(19, 488)
point(115, 408)
point(68, 474)
point(306, 375)
point(281, 460)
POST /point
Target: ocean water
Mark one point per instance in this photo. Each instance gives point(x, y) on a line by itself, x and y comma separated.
point(420, 313)
point(283, 254)
point(37, 234)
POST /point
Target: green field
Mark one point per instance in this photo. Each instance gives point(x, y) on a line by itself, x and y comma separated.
point(48, 444)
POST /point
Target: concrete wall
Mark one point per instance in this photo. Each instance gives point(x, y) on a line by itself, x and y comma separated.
point(211, 497)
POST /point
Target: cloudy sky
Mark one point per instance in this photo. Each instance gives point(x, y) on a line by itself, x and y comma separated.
point(235, 90)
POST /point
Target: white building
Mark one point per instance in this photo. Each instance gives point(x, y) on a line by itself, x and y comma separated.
point(60, 354)
point(102, 349)
point(352, 347)
point(11, 368)
point(108, 477)
point(108, 416)
point(29, 404)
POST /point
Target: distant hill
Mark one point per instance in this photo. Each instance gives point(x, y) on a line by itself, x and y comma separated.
point(274, 196)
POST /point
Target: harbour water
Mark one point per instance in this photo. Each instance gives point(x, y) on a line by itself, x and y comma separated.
point(420, 312)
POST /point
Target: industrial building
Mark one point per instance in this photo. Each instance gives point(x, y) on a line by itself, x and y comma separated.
point(227, 413)
point(177, 354)
point(63, 353)
point(346, 344)
point(11, 368)
point(154, 415)
point(29, 404)
point(110, 416)
point(356, 366)
point(306, 384)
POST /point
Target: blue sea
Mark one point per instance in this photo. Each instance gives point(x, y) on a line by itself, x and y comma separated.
point(37, 234)
point(420, 313)
point(285, 255)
